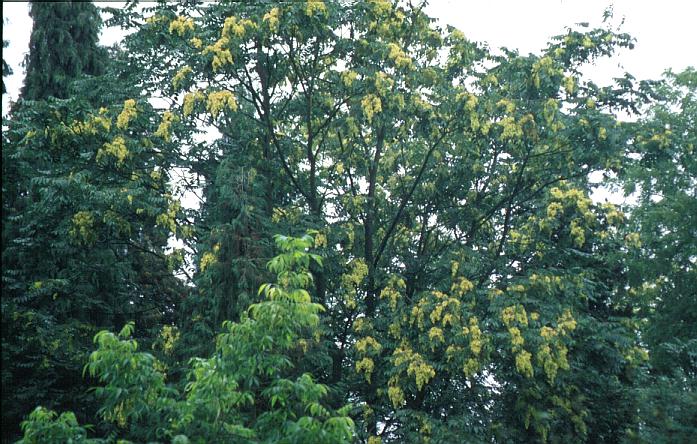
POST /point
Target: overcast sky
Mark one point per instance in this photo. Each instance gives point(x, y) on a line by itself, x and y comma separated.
point(665, 31)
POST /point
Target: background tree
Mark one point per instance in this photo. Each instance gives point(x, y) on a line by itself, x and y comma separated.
point(663, 176)
point(472, 289)
point(62, 47)
point(6, 70)
point(87, 213)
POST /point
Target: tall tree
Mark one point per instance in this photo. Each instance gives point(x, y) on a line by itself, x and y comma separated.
point(87, 214)
point(663, 269)
point(466, 259)
point(6, 70)
point(62, 47)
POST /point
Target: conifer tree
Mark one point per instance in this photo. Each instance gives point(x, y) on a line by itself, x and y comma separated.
point(6, 70)
point(62, 47)
point(87, 214)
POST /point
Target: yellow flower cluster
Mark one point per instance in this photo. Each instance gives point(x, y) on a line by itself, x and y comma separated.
point(196, 42)
point(83, 221)
point(507, 105)
point(392, 291)
point(236, 28)
point(347, 77)
point(315, 6)
point(129, 112)
point(602, 133)
point(170, 336)
point(523, 363)
point(221, 53)
point(633, 240)
point(190, 100)
point(180, 25)
point(383, 83)
point(566, 322)
point(461, 286)
point(569, 84)
point(90, 126)
point(470, 100)
point(362, 324)
point(551, 363)
point(154, 19)
point(475, 334)
point(549, 110)
point(272, 18)
point(179, 77)
point(663, 140)
point(359, 270)
point(207, 259)
point(380, 7)
point(368, 345)
point(577, 234)
point(544, 66)
point(169, 218)
point(371, 105)
point(514, 313)
point(163, 130)
point(511, 130)
point(553, 209)
point(219, 100)
point(471, 367)
point(365, 365)
point(117, 148)
point(517, 339)
point(436, 334)
point(398, 56)
point(396, 395)
point(418, 368)
point(418, 311)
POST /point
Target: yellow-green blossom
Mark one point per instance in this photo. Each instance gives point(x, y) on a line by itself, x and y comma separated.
point(129, 112)
point(219, 100)
point(371, 105)
point(180, 25)
point(315, 6)
point(117, 148)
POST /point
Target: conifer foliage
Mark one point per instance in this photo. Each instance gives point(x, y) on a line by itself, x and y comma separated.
point(62, 47)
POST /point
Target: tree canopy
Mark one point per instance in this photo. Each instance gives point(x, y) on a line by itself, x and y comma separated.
point(421, 203)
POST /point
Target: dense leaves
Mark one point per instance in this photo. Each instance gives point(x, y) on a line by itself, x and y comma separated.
point(467, 288)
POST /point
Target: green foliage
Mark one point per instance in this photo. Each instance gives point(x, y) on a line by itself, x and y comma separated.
point(87, 213)
point(62, 47)
point(469, 288)
point(6, 70)
point(247, 391)
point(45, 426)
point(663, 229)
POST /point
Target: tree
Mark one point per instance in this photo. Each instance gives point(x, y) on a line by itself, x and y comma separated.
point(467, 262)
point(6, 70)
point(87, 213)
point(63, 46)
point(470, 288)
point(663, 175)
point(247, 391)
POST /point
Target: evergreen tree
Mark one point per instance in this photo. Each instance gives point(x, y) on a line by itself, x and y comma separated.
point(87, 214)
point(63, 46)
point(6, 70)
